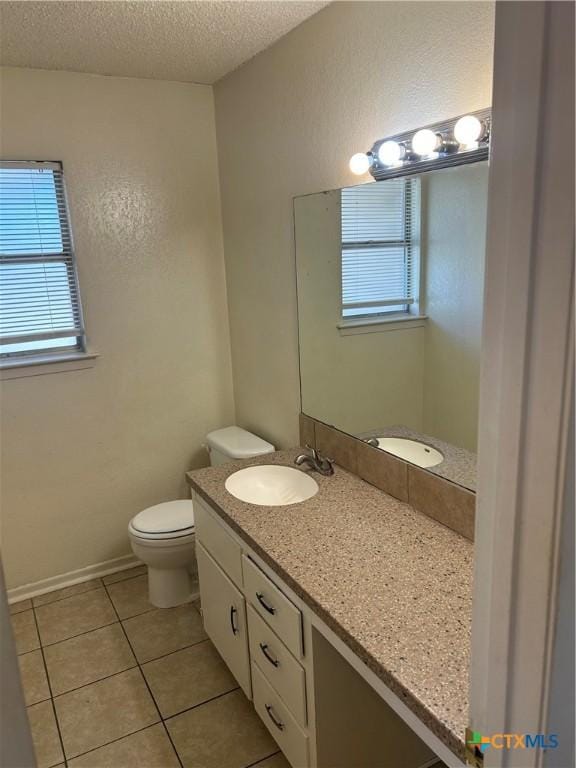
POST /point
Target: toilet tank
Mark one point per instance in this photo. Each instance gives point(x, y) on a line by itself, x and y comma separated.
point(235, 443)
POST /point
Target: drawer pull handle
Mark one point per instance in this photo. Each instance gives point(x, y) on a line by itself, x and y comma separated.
point(233, 612)
point(271, 659)
point(264, 604)
point(278, 723)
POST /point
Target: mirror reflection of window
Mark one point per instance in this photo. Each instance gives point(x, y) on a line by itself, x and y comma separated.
point(390, 283)
point(380, 249)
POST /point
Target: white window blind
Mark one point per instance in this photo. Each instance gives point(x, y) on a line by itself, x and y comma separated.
point(40, 307)
point(378, 253)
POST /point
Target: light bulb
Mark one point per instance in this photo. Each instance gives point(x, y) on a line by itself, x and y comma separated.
point(359, 163)
point(468, 130)
point(424, 142)
point(391, 153)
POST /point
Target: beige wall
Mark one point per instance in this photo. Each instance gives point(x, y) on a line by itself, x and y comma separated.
point(287, 123)
point(360, 381)
point(454, 206)
point(83, 451)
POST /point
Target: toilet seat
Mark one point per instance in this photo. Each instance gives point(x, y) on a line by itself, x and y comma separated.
point(169, 520)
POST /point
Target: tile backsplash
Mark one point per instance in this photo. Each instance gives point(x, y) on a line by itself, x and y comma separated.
point(383, 470)
point(430, 494)
point(448, 503)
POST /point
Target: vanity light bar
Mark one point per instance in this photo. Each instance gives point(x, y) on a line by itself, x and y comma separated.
point(464, 139)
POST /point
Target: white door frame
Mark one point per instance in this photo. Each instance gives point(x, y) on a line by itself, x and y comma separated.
point(527, 373)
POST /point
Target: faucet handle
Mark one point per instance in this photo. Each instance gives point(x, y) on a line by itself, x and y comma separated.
point(315, 461)
point(326, 465)
point(313, 451)
point(317, 456)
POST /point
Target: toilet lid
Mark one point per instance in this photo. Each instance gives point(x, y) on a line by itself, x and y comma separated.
point(169, 517)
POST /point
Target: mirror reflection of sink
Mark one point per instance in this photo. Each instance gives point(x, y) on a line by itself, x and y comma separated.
point(411, 450)
point(271, 485)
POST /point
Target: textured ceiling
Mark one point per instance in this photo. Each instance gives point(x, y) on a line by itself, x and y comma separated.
point(190, 41)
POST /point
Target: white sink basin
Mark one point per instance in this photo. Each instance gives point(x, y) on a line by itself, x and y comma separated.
point(411, 450)
point(271, 485)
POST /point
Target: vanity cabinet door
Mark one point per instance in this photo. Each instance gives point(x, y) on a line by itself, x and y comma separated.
point(218, 542)
point(224, 613)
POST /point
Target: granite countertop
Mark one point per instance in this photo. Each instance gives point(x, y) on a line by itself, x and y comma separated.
point(393, 584)
point(459, 465)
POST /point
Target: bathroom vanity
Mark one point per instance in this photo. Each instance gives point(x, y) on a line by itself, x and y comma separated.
point(344, 618)
point(345, 614)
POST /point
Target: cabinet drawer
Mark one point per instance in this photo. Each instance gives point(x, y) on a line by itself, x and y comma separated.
point(277, 665)
point(224, 616)
point(273, 606)
point(213, 537)
point(276, 717)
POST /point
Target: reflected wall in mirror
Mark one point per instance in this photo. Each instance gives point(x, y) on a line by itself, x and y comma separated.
point(390, 287)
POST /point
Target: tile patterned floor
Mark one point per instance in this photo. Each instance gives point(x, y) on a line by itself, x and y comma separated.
point(112, 682)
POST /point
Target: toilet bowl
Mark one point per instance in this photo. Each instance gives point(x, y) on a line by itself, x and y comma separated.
point(162, 537)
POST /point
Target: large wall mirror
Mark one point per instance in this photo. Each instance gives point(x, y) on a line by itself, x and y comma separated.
point(390, 287)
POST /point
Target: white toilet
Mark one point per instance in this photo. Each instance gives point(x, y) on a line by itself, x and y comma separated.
point(162, 536)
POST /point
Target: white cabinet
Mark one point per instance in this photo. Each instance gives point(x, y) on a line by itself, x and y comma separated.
point(273, 606)
point(224, 613)
point(276, 716)
point(312, 700)
point(278, 665)
point(218, 543)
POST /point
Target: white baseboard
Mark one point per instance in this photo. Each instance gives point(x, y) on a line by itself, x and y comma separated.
point(72, 577)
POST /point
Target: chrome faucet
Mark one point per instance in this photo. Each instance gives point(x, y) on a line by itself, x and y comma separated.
point(315, 461)
point(373, 441)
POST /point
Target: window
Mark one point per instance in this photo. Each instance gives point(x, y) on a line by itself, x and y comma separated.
point(380, 264)
point(40, 311)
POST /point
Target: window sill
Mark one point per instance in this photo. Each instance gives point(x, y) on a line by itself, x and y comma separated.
point(40, 365)
point(379, 325)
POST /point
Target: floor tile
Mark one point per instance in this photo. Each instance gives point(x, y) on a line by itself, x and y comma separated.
point(130, 597)
point(33, 677)
point(21, 605)
point(164, 630)
point(25, 632)
point(60, 594)
point(276, 761)
point(104, 711)
point(187, 678)
point(45, 735)
point(224, 733)
point(150, 748)
point(74, 615)
point(112, 578)
point(87, 658)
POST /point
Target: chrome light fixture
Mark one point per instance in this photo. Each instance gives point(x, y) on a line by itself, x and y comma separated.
point(464, 139)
